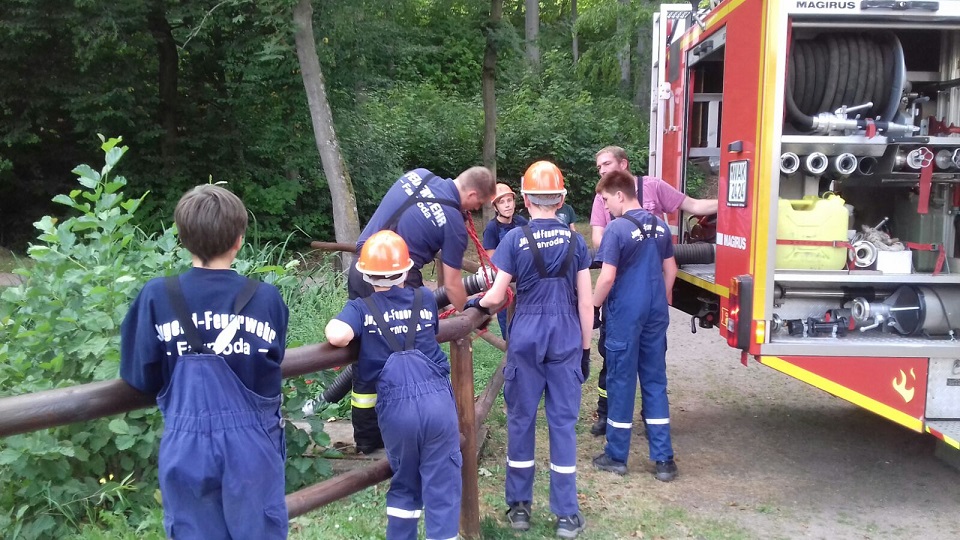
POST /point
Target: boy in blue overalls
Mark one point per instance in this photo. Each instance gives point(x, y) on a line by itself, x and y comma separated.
point(210, 341)
point(504, 202)
point(631, 290)
point(428, 213)
point(549, 340)
point(402, 366)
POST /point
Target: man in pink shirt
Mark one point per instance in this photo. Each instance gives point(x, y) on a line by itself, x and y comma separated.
point(657, 197)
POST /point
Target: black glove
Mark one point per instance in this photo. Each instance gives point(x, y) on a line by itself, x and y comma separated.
point(585, 364)
point(596, 318)
point(475, 303)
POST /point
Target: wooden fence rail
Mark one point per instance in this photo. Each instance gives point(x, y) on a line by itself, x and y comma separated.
point(61, 406)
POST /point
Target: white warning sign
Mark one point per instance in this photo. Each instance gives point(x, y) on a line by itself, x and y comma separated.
point(737, 183)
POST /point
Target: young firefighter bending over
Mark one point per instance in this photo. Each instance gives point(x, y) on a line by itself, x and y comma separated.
point(548, 347)
point(402, 365)
point(636, 252)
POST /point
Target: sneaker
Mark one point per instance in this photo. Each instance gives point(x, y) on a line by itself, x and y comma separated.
point(599, 428)
point(519, 516)
point(605, 463)
point(570, 526)
point(666, 470)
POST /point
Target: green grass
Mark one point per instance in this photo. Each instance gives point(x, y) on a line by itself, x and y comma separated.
point(10, 261)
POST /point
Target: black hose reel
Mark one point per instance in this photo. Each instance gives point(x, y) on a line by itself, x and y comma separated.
point(842, 71)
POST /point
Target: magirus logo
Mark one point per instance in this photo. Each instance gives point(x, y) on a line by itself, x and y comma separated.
point(819, 4)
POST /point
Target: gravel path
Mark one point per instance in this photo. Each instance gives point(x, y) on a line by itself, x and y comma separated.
point(783, 459)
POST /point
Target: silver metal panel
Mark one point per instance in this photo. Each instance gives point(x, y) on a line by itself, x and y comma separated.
point(947, 427)
point(818, 9)
point(871, 343)
point(943, 388)
point(706, 272)
point(833, 145)
point(863, 277)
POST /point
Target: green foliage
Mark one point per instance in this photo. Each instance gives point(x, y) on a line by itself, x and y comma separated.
point(61, 328)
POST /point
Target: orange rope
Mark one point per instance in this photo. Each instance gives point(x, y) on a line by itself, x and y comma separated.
point(484, 261)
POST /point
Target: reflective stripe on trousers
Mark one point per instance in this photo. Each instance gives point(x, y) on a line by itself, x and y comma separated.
point(637, 316)
point(421, 434)
point(543, 358)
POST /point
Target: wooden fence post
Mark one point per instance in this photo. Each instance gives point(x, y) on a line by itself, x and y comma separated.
point(461, 364)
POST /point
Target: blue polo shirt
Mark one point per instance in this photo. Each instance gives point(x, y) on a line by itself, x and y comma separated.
point(553, 238)
point(395, 304)
point(495, 231)
point(622, 241)
point(151, 338)
point(426, 227)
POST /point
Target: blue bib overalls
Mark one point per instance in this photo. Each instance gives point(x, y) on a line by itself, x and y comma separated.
point(221, 457)
point(421, 435)
point(543, 360)
point(637, 315)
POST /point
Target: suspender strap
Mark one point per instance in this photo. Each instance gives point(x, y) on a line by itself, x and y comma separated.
point(633, 220)
point(538, 257)
point(569, 260)
point(390, 338)
point(175, 293)
point(414, 319)
point(416, 198)
point(535, 251)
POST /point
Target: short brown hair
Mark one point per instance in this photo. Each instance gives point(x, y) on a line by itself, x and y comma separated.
point(481, 180)
point(615, 181)
point(618, 153)
point(209, 220)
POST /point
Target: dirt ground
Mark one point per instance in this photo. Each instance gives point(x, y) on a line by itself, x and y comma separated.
point(782, 459)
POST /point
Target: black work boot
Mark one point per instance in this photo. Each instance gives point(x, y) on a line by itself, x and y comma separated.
point(599, 428)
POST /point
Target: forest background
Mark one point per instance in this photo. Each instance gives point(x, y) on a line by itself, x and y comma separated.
point(212, 91)
point(184, 93)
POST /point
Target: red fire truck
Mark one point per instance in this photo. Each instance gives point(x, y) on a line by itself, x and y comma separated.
point(832, 130)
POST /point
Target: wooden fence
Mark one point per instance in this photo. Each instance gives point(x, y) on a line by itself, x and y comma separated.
point(42, 410)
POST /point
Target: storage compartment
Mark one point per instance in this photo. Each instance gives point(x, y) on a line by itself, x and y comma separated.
point(812, 219)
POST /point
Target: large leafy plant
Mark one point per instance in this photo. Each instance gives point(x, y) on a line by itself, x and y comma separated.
point(61, 328)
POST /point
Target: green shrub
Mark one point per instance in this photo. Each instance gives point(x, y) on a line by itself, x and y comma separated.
point(61, 328)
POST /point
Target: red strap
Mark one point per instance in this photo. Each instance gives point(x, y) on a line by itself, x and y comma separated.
point(941, 254)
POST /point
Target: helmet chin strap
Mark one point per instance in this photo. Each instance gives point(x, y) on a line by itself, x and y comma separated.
point(377, 281)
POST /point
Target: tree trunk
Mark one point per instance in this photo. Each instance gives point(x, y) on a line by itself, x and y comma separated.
point(489, 80)
point(168, 73)
point(532, 29)
point(623, 32)
point(573, 28)
point(346, 224)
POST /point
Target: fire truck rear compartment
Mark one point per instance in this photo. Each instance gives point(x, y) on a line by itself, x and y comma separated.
point(870, 142)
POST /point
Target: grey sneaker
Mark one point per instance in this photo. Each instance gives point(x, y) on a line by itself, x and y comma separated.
point(666, 470)
point(605, 463)
point(570, 526)
point(519, 516)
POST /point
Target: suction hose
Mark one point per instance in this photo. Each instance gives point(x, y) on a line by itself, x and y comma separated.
point(701, 253)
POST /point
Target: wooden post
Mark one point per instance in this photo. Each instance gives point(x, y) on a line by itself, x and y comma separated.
point(461, 364)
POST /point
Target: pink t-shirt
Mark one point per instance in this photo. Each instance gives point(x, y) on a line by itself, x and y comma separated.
point(658, 197)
